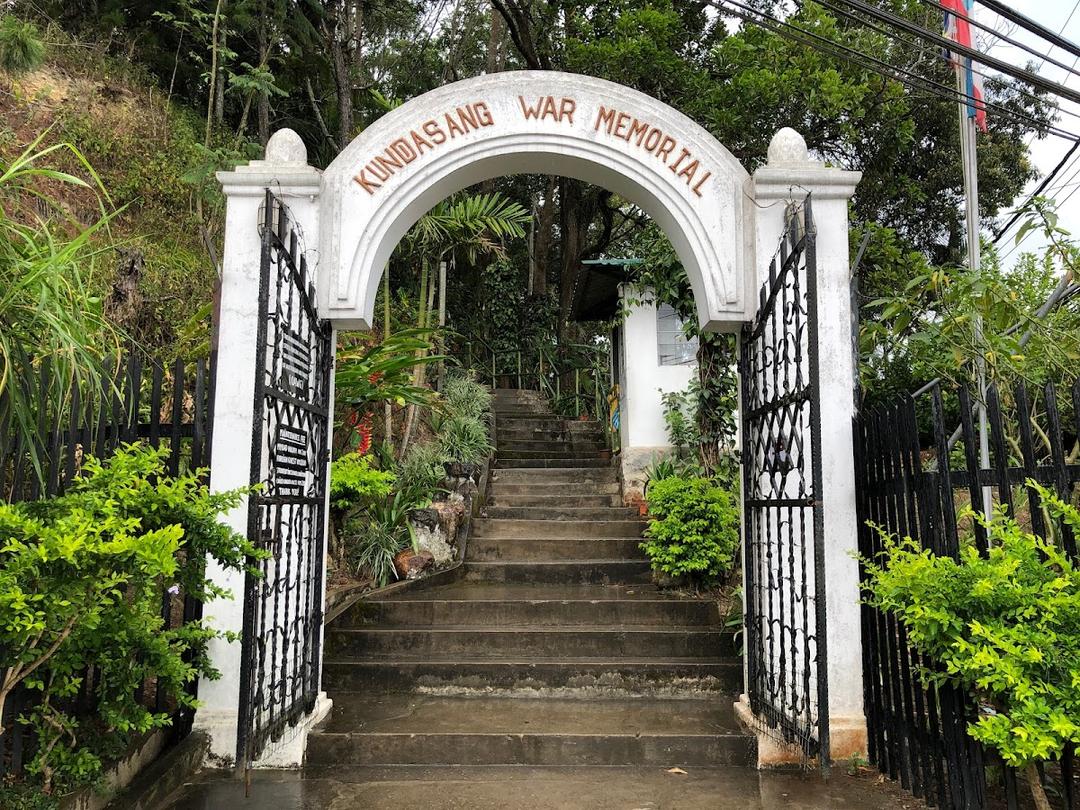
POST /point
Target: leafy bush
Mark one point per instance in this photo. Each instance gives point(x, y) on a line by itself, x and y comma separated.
point(375, 546)
point(464, 396)
point(421, 471)
point(354, 483)
point(694, 533)
point(1005, 627)
point(21, 48)
point(384, 531)
point(81, 582)
point(680, 416)
point(464, 438)
point(670, 467)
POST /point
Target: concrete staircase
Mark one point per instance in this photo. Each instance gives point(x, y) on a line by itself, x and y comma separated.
point(551, 648)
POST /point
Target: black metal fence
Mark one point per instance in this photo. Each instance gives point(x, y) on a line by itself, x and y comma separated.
point(783, 565)
point(165, 407)
point(913, 479)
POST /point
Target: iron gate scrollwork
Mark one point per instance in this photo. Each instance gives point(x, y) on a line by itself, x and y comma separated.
point(279, 672)
point(784, 574)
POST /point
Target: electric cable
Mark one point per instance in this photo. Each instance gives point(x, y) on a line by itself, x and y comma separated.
point(863, 60)
point(848, 15)
point(1045, 57)
point(947, 44)
point(1031, 25)
point(1037, 192)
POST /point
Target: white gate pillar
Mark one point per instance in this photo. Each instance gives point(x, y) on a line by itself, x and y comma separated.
point(285, 171)
point(788, 177)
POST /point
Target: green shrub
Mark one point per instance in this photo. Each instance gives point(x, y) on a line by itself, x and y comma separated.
point(465, 439)
point(694, 534)
point(421, 471)
point(680, 417)
point(354, 483)
point(463, 396)
point(1005, 627)
point(21, 48)
point(374, 546)
point(81, 579)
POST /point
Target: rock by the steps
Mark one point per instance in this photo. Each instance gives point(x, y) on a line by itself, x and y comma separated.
point(410, 564)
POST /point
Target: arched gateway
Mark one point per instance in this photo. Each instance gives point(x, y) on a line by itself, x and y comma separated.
point(537, 122)
point(304, 254)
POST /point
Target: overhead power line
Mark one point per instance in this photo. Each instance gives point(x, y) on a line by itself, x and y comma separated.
point(947, 44)
point(849, 15)
point(1031, 25)
point(1045, 57)
point(1000, 234)
point(867, 62)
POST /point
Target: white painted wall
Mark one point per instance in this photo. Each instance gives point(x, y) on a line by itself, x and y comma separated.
point(297, 184)
point(788, 177)
point(644, 380)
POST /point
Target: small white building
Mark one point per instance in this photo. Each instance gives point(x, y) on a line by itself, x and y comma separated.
point(652, 357)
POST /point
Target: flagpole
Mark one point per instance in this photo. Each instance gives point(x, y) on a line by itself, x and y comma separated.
point(969, 157)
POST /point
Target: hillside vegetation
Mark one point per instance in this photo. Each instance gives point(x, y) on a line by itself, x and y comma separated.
point(154, 271)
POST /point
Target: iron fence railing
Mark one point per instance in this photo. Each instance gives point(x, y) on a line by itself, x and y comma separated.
point(167, 407)
point(576, 378)
point(911, 485)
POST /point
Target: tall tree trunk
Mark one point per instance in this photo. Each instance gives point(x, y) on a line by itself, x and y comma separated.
point(219, 85)
point(343, 40)
point(496, 55)
point(211, 91)
point(263, 105)
point(1038, 793)
point(545, 232)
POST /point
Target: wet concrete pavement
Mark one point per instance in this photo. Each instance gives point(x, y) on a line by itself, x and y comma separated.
point(514, 787)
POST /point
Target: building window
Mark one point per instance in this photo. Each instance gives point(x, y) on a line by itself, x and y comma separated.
point(674, 348)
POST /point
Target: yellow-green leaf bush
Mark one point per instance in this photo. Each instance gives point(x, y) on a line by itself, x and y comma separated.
point(1005, 627)
point(694, 531)
point(81, 584)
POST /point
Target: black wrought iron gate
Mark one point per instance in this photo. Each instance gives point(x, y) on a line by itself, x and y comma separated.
point(279, 672)
point(784, 575)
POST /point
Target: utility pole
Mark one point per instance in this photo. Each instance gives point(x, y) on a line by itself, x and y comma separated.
point(969, 118)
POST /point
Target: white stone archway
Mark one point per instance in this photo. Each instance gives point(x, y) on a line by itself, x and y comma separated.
point(724, 223)
point(539, 122)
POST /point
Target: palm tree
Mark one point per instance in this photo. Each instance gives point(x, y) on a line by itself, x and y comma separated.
point(470, 225)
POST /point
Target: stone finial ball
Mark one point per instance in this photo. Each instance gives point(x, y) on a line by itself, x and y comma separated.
point(788, 146)
point(285, 146)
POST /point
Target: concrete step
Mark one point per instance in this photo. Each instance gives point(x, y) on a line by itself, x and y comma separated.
point(522, 408)
point(497, 527)
point(429, 730)
point(499, 497)
point(554, 428)
point(565, 462)
point(552, 549)
point(576, 642)
point(556, 451)
point(543, 489)
point(561, 477)
point(584, 572)
point(560, 513)
point(495, 605)
point(584, 444)
point(532, 676)
point(525, 420)
point(570, 431)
